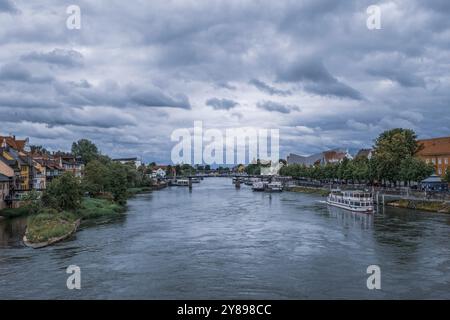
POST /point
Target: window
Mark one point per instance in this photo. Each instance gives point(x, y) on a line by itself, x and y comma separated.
point(433, 160)
point(440, 161)
point(446, 160)
point(439, 171)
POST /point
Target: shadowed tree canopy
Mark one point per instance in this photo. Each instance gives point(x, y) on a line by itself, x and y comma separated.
point(85, 149)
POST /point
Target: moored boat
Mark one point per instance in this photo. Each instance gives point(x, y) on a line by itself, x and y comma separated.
point(259, 186)
point(274, 187)
point(251, 181)
point(357, 201)
point(181, 183)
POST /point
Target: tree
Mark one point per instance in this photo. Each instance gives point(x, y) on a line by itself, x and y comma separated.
point(391, 148)
point(32, 201)
point(414, 169)
point(447, 175)
point(360, 169)
point(117, 182)
point(85, 149)
point(95, 177)
point(63, 193)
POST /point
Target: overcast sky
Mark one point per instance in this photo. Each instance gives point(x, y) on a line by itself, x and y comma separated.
point(137, 70)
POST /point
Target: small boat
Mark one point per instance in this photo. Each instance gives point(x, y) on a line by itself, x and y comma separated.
point(251, 181)
point(259, 186)
point(181, 183)
point(195, 180)
point(357, 201)
point(275, 187)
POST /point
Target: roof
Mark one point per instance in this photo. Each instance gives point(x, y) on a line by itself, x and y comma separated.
point(13, 142)
point(436, 146)
point(333, 155)
point(125, 159)
point(7, 161)
point(432, 179)
point(4, 178)
point(363, 153)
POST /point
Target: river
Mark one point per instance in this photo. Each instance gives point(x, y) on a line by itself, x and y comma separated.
point(219, 242)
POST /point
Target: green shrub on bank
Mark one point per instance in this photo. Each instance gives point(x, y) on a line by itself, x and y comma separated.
point(134, 191)
point(14, 212)
point(92, 208)
point(319, 191)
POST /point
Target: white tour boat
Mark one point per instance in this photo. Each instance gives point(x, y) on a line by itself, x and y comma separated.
point(259, 186)
point(357, 201)
point(181, 183)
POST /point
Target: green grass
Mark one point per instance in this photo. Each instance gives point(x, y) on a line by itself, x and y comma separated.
point(319, 191)
point(134, 191)
point(45, 226)
point(434, 206)
point(14, 212)
point(92, 208)
point(50, 224)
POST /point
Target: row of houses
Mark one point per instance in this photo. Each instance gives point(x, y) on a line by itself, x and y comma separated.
point(22, 169)
point(436, 151)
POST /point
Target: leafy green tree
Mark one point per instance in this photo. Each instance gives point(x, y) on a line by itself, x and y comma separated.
point(391, 148)
point(447, 175)
point(85, 149)
point(95, 177)
point(360, 169)
point(63, 193)
point(117, 182)
point(32, 201)
point(415, 169)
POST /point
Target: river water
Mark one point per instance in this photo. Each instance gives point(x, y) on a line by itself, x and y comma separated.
point(219, 242)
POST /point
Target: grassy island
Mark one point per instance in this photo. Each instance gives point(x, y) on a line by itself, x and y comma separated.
point(49, 226)
point(424, 205)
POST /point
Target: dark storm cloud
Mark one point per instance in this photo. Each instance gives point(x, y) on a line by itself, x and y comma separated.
point(225, 85)
point(277, 107)
point(154, 97)
point(269, 89)
point(221, 104)
point(60, 57)
point(133, 69)
point(316, 79)
point(7, 6)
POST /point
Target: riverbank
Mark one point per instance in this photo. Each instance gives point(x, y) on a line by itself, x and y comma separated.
point(424, 205)
point(320, 191)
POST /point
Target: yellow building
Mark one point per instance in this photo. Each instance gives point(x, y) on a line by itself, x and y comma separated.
point(13, 149)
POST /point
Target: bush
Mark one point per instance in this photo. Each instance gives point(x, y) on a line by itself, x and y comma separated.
point(63, 193)
point(96, 208)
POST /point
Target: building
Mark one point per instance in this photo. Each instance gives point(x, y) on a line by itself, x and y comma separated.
point(71, 163)
point(4, 191)
point(437, 152)
point(159, 172)
point(16, 150)
point(365, 154)
point(322, 158)
point(134, 161)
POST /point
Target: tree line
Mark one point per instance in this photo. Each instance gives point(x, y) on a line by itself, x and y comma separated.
point(102, 178)
point(393, 160)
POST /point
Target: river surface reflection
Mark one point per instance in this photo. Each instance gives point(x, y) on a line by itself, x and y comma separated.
point(219, 242)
